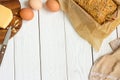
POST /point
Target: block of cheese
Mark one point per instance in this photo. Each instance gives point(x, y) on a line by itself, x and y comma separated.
point(6, 16)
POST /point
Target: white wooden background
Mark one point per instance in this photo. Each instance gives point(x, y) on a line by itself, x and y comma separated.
point(48, 48)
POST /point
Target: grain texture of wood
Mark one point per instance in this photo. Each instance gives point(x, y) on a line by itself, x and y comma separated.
point(79, 54)
point(118, 31)
point(27, 59)
point(7, 66)
point(53, 56)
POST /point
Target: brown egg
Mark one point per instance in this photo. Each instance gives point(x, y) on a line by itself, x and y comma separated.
point(52, 5)
point(26, 14)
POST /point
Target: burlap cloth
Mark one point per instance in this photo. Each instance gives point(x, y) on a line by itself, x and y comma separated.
point(86, 26)
point(108, 66)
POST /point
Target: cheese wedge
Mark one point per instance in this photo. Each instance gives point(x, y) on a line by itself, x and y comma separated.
point(5, 16)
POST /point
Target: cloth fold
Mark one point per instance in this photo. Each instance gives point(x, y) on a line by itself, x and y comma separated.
point(106, 67)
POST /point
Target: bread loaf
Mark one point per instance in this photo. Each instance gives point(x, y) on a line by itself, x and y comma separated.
point(100, 10)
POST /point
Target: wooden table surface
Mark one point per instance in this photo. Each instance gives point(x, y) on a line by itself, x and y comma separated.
point(48, 48)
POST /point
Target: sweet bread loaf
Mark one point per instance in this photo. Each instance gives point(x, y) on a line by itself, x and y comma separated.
point(100, 10)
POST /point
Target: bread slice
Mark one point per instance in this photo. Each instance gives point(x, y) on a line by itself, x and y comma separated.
point(100, 10)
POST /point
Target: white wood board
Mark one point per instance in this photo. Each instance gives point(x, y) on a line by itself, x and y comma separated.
point(105, 47)
point(7, 65)
point(79, 54)
point(52, 38)
point(118, 31)
point(27, 59)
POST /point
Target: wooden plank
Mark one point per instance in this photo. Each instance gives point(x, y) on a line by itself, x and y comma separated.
point(118, 31)
point(52, 45)
point(7, 66)
point(27, 59)
point(105, 48)
point(79, 54)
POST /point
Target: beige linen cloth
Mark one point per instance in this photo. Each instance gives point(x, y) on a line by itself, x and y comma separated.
point(108, 66)
point(86, 26)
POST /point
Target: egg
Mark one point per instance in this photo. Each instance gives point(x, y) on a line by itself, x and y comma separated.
point(26, 14)
point(35, 4)
point(52, 5)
